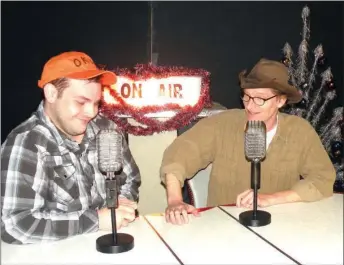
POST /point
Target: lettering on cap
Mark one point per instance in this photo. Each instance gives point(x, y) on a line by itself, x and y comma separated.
point(82, 60)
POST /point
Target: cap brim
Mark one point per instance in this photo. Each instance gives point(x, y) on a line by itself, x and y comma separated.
point(108, 77)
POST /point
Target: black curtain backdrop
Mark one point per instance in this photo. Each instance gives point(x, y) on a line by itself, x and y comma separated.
point(221, 37)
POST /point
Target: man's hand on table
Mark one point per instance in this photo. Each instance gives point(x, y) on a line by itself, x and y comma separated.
point(177, 212)
point(245, 199)
point(125, 214)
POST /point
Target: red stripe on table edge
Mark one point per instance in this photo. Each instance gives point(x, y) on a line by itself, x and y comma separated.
point(203, 209)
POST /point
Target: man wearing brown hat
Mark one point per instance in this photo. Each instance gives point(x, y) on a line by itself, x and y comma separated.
point(51, 185)
point(296, 167)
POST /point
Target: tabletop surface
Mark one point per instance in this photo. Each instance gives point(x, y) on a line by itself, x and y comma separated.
point(311, 233)
point(300, 233)
point(216, 238)
point(148, 249)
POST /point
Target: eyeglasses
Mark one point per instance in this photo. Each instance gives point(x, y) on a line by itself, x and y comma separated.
point(258, 101)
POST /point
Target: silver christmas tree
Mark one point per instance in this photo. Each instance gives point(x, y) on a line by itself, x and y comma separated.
point(315, 82)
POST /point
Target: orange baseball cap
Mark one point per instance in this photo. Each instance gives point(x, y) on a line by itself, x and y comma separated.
point(76, 65)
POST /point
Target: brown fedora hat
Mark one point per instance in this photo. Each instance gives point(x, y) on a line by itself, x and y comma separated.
point(270, 74)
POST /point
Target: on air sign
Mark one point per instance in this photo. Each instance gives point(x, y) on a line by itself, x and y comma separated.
point(181, 90)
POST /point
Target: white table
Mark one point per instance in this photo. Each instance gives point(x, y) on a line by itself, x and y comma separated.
point(148, 249)
point(304, 233)
point(216, 238)
point(311, 233)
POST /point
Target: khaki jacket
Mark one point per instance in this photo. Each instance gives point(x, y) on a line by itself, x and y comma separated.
point(295, 150)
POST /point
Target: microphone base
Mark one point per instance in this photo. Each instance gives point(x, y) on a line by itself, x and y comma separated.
point(262, 218)
point(105, 243)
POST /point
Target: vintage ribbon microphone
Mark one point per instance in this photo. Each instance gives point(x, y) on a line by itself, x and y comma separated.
point(109, 147)
point(255, 151)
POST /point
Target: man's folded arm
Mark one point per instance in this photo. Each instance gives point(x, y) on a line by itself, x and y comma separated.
point(26, 217)
point(130, 189)
point(316, 169)
point(191, 151)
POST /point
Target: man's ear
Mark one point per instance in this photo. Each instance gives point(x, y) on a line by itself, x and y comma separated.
point(282, 100)
point(50, 93)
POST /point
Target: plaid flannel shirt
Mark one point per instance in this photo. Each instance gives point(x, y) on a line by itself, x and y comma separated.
point(51, 186)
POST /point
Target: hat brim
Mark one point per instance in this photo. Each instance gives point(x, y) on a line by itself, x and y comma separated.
point(293, 95)
point(107, 77)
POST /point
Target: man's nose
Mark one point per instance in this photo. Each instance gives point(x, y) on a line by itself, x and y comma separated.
point(91, 111)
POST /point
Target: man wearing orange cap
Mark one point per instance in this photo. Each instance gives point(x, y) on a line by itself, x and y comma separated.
point(293, 148)
point(51, 186)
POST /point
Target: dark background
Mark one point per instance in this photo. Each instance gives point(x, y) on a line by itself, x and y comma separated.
point(221, 37)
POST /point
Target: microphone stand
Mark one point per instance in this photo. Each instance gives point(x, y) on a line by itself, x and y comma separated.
point(114, 242)
point(255, 217)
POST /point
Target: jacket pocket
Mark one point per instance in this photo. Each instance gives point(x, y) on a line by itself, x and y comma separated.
point(64, 185)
